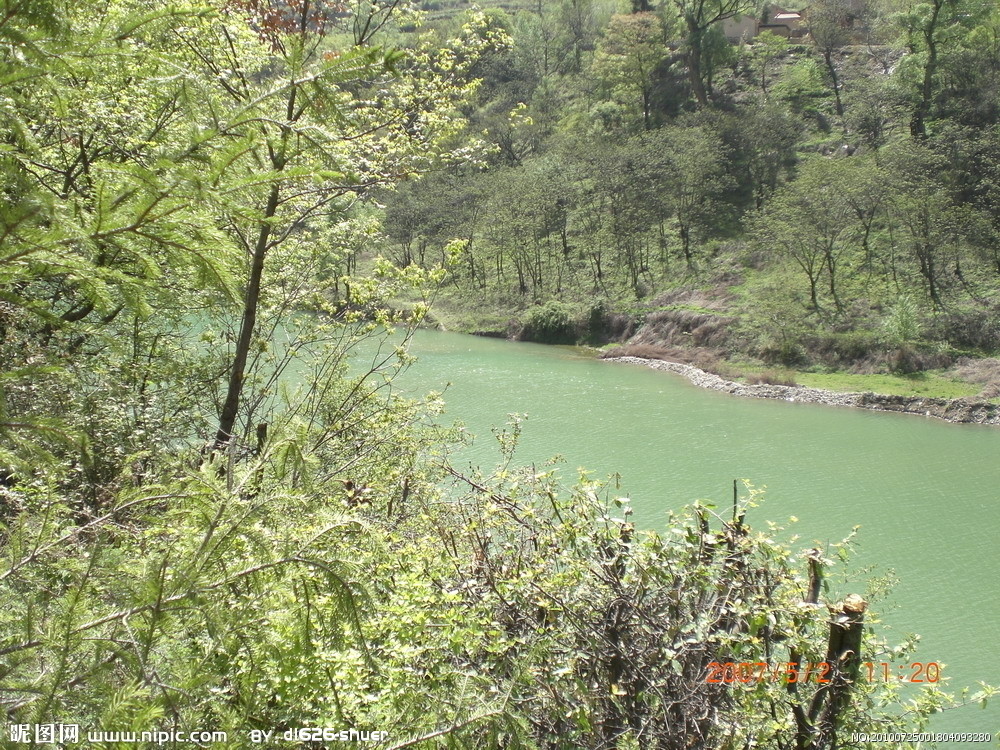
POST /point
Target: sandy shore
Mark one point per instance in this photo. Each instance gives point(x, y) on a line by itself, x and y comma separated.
point(951, 410)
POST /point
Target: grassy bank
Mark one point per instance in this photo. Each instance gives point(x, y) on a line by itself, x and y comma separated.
point(963, 381)
point(966, 379)
point(927, 384)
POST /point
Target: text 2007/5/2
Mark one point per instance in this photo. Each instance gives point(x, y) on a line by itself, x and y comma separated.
point(759, 671)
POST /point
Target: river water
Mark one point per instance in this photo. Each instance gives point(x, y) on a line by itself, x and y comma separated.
point(925, 493)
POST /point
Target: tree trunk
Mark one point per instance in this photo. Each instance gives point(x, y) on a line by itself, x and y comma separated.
point(831, 267)
point(251, 299)
point(695, 38)
point(227, 419)
point(686, 243)
point(929, 271)
point(918, 125)
point(844, 657)
point(828, 57)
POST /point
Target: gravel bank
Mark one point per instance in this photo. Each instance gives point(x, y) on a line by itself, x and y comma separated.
point(951, 410)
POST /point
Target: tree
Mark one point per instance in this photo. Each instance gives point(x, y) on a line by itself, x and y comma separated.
point(875, 110)
point(767, 47)
point(829, 25)
point(303, 122)
point(698, 16)
point(144, 156)
point(932, 29)
point(137, 150)
point(629, 179)
point(578, 20)
point(106, 218)
point(556, 36)
point(163, 165)
point(861, 182)
point(761, 141)
point(928, 223)
point(974, 176)
point(810, 222)
point(969, 91)
point(628, 56)
point(718, 53)
point(690, 162)
point(525, 228)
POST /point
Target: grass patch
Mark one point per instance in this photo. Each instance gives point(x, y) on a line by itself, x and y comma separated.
point(773, 377)
point(926, 384)
point(451, 314)
point(685, 307)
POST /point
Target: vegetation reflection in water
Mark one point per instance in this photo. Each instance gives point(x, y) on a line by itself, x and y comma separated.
point(922, 491)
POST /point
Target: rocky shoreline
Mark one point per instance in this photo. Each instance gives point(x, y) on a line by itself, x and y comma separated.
point(961, 410)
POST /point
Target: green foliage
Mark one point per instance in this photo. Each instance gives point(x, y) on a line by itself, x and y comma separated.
point(628, 56)
point(551, 323)
point(902, 323)
point(604, 633)
point(875, 111)
point(718, 55)
point(699, 18)
point(775, 325)
point(767, 47)
point(577, 208)
point(801, 85)
point(216, 512)
point(816, 200)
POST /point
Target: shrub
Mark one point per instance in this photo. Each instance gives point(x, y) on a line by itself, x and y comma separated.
point(551, 323)
point(783, 351)
point(969, 329)
point(846, 348)
point(902, 324)
point(604, 326)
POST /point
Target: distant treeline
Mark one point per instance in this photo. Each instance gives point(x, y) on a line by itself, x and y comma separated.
point(826, 182)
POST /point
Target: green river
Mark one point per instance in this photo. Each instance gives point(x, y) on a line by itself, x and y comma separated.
point(924, 492)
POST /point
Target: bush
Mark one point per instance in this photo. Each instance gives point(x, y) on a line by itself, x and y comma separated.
point(904, 360)
point(604, 326)
point(608, 635)
point(846, 348)
point(551, 323)
point(902, 324)
point(968, 329)
point(616, 327)
point(783, 351)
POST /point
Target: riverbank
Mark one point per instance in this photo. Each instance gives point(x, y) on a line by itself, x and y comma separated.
point(959, 410)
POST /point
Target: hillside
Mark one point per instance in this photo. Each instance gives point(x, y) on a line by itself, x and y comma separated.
point(831, 205)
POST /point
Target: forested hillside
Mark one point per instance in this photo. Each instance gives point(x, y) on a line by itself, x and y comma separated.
point(216, 514)
point(821, 194)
